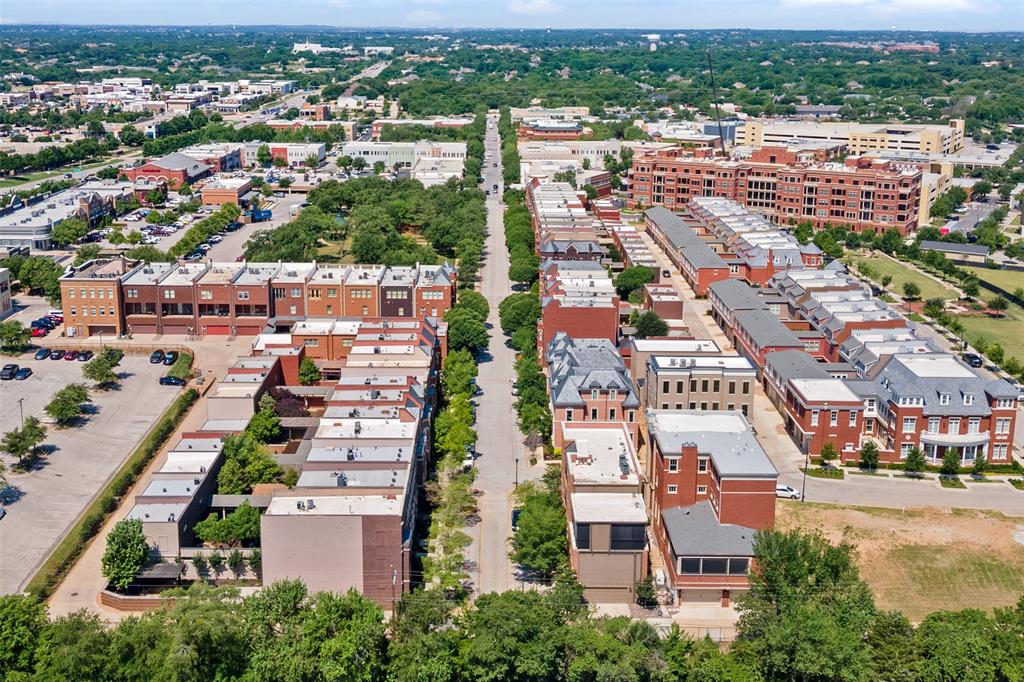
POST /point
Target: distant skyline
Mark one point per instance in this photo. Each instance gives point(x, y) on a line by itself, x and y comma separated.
point(921, 15)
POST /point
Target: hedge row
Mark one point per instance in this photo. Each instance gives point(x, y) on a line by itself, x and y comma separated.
point(57, 565)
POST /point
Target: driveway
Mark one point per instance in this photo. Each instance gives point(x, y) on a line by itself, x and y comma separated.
point(44, 502)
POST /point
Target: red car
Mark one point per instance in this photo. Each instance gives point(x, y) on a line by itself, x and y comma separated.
point(71, 355)
point(39, 331)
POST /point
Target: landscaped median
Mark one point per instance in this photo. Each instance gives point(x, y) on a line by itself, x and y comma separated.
point(63, 557)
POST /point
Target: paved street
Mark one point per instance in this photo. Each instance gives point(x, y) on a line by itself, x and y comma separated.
point(43, 503)
point(500, 443)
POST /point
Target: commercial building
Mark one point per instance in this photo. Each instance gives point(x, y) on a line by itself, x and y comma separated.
point(176, 169)
point(404, 154)
point(226, 189)
point(867, 194)
point(92, 299)
point(607, 519)
point(550, 130)
point(6, 304)
point(712, 487)
point(291, 153)
point(247, 298)
point(29, 223)
point(436, 122)
point(858, 137)
point(704, 382)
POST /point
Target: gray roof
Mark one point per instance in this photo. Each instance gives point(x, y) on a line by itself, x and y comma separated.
point(179, 161)
point(953, 247)
point(895, 380)
point(766, 329)
point(580, 365)
point(727, 438)
point(696, 531)
point(736, 295)
point(702, 256)
point(793, 364)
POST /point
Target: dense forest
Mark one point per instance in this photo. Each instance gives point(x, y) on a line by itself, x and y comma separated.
point(807, 617)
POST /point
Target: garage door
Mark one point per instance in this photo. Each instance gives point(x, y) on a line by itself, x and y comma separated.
point(176, 329)
point(144, 329)
point(249, 330)
point(218, 329)
point(702, 596)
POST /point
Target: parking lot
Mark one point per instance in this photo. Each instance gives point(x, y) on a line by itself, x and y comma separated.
point(43, 503)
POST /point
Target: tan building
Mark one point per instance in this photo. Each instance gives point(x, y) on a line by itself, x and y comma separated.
point(699, 382)
point(606, 515)
point(226, 189)
point(859, 137)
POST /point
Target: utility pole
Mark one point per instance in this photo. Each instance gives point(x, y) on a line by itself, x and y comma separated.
point(803, 488)
point(21, 408)
point(517, 472)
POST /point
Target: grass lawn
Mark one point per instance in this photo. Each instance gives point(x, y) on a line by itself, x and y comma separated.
point(902, 273)
point(1004, 279)
point(43, 175)
point(1007, 331)
point(921, 561)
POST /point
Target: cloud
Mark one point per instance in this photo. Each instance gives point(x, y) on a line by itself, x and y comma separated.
point(533, 7)
point(422, 17)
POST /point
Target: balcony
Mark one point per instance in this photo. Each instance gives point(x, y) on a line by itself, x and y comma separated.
point(954, 439)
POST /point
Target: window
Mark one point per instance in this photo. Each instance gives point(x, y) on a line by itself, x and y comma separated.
point(934, 423)
point(999, 451)
point(732, 387)
point(169, 293)
point(954, 425)
point(311, 343)
point(738, 566)
point(243, 295)
point(833, 418)
point(332, 292)
point(909, 424)
point(71, 292)
point(205, 295)
point(968, 398)
point(611, 413)
point(943, 399)
point(679, 386)
point(814, 417)
point(629, 537)
point(715, 566)
point(974, 425)
point(673, 489)
point(691, 566)
point(1003, 425)
point(72, 310)
point(593, 413)
point(583, 535)
point(568, 415)
point(704, 385)
point(630, 416)
point(702, 490)
point(314, 293)
point(905, 449)
point(702, 464)
point(612, 394)
point(673, 464)
point(292, 310)
point(693, 385)
point(716, 386)
point(853, 418)
point(594, 394)
point(746, 387)
point(296, 292)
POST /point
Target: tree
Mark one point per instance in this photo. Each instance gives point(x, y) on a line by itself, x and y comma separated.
point(474, 302)
point(359, 163)
point(633, 278)
point(73, 647)
point(22, 619)
point(648, 324)
point(934, 307)
point(131, 136)
point(14, 336)
point(240, 526)
point(886, 281)
point(950, 462)
point(980, 464)
point(246, 463)
point(828, 453)
point(108, 173)
point(309, 373)
point(539, 542)
point(66, 405)
point(970, 287)
point(999, 305)
point(458, 374)
point(466, 331)
point(126, 553)
point(100, 370)
point(69, 231)
point(512, 636)
point(869, 456)
point(807, 611)
point(915, 462)
point(911, 291)
point(981, 188)
point(378, 167)
point(312, 161)
point(236, 562)
point(644, 592)
point(265, 425)
point(263, 155)
point(518, 310)
point(86, 253)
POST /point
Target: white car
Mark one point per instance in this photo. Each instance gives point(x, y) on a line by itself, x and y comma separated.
point(787, 492)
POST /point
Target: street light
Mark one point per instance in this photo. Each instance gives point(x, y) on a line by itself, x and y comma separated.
point(517, 472)
point(21, 408)
point(803, 488)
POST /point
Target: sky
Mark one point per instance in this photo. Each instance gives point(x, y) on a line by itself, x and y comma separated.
point(941, 15)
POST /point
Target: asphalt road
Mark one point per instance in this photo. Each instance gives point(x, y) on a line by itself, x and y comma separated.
point(499, 443)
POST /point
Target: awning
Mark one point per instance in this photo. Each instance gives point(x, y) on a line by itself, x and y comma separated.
point(954, 439)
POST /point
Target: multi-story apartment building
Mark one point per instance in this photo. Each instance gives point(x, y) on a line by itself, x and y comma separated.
point(699, 264)
point(711, 488)
point(859, 138)
point(607, 519)
point(92, 299)
point(588, 382)
point(246, 298)
point(867, 194)
point(699, 382)
point(934, 402)
point(579, 299)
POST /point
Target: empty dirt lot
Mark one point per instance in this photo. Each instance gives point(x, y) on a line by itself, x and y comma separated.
point(926, 560)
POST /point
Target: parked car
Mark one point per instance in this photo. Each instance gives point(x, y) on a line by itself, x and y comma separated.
point(42, 354)
point(3, 512)
point(39, 331)
point(71, 355)
point(23, 373)
point(787, 492)
point(171, 381)
point(85, 356)
point(973, 359)
point(515, 518)
point(170, 358)
point(56, 354)
point(8, 372)
point(156, 357)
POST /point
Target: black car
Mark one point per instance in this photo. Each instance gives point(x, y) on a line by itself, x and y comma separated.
point(85, 356)
point(171, 358)
point(42, 354)
point(8, 372)
point(23, 373)
point(973, 360)
point(156, 358)
point(56, 354)
point(171, 381)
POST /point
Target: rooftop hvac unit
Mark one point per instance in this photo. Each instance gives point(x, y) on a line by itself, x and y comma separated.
point(310, 504)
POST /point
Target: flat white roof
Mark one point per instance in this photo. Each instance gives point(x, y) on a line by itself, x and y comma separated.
point(348, 505)
point(608, 508)
point(188, 462)
point(156, 513)
point(676, 345)
point(822, 390)
point(702, 362)
point(935, 366)
point(369, 429)
point(597, 455)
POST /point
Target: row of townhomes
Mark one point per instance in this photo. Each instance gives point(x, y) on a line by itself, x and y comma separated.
point(361, 455)
point(117, 297)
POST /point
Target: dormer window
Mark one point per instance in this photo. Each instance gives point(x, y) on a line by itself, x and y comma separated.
point(943, 399)
point(968, 398)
